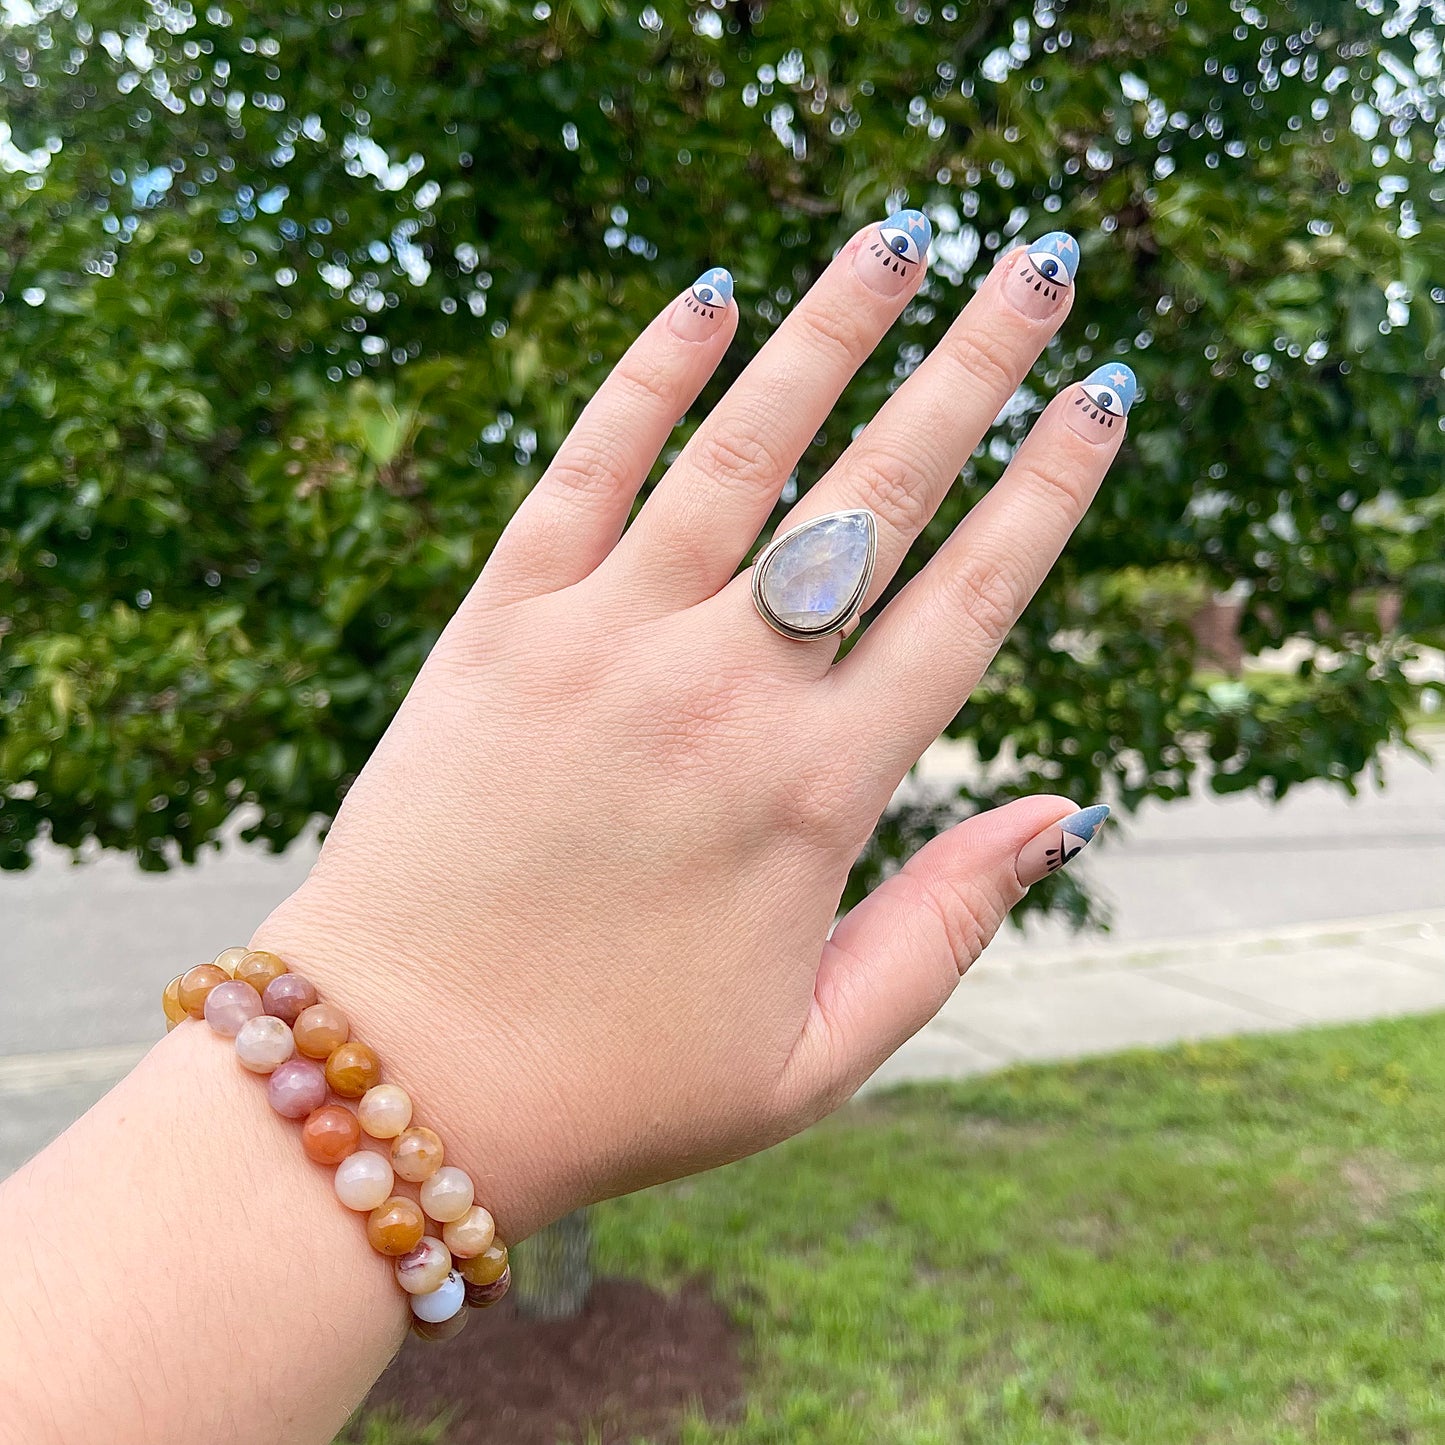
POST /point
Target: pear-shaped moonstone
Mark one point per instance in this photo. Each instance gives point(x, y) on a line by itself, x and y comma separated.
point(812, 581)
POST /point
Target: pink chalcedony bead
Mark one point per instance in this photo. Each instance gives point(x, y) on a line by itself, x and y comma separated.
point(364, 1180)
point(227, 1007)
point(296, 1087)
point(286, 995)
point(264, 1043)
point(422, 1269)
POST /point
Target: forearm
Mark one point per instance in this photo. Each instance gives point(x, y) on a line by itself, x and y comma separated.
point(175, 1270)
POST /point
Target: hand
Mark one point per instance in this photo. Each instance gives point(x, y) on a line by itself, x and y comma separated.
point(580, 897)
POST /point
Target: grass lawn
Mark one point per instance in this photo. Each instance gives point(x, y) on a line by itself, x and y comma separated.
point(1229, 1242)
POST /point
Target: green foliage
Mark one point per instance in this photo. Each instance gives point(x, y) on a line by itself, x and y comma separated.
point(298, 299)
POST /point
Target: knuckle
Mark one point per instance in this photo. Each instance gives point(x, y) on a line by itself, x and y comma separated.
point(987, 590)
point(648, 380)
point(894, 491)
point(985, 362)
point(740, 454)
point(969, 914)
point(837, 332)
point(585, 469)
point(1061, 480)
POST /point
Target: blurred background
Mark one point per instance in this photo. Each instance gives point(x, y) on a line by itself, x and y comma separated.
point(296, 302)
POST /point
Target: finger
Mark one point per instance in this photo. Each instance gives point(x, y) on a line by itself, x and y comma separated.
point(915, 666)
point(574, 515)
point(706, 512)
point(893, 961)
point(909, 455)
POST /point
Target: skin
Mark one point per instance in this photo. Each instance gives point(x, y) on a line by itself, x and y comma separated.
point(580, 899)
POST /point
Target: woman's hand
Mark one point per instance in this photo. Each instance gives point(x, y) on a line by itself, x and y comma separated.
point(580, 897)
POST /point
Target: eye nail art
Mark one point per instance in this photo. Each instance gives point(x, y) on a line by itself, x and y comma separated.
point(1041, 275)
point(1104, 398)
point(702, 304)
point(891, 256)
point(1059, 844)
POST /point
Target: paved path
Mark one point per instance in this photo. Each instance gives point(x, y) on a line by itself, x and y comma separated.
point(1229, 916)
point(1069, 1003)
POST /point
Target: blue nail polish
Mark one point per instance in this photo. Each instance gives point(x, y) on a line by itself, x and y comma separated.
point(710, 293)
point(1053, 260)
point(1107, 392)
point(1086, 822)
point(903, 241)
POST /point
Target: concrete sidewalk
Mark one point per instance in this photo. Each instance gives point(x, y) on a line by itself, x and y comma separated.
point(1072, 1002)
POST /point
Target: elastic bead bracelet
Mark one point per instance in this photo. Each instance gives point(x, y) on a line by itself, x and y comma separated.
point(303, 1046)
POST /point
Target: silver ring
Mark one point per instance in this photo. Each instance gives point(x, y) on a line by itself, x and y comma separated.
point(810, 581)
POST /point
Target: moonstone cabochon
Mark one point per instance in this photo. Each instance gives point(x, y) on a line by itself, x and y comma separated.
point(810, 581)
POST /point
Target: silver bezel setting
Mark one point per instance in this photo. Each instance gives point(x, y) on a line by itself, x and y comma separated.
point(849, 615)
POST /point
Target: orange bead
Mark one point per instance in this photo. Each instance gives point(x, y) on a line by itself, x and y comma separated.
point(396, 1227)
point(171, 1004)
point(195, 985)
point(330, 1133)
point(258, 969)
point(352, 1069)
point(487, 1267)
point(417, 1153)
point(320, 1030)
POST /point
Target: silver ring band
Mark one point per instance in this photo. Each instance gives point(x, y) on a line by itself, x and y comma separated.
point(810, 581)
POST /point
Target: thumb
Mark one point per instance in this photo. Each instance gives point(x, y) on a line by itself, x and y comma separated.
point(894, 959)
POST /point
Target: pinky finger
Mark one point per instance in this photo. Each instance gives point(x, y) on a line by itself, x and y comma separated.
point(573, 517)
point(892, 962)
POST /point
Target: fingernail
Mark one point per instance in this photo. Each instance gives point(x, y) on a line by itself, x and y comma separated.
point(1042, 273)
point(696, 316)
point(1103, 400)
point(889, 258)
point(1059, 843)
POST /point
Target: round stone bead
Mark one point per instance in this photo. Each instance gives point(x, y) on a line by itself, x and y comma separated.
point(447, 1195)
point(421, 1270)
point(384, 1111)
point(286, 996)
point(487, 1267)
point(481, 1296)
point(171, 1004)
point(353, 1068)
point(258, 968)
point(468, 1236)
point(264, 1044)
point(320, 1030)
point(297, 1087)
point(442, 1302)
point(330, 1133)
point(364, 1181)
point(196, 983)
point(396, 1226)
point(423, 1330)
point(229, 1005)
point(227, 959)
point(417, 1153)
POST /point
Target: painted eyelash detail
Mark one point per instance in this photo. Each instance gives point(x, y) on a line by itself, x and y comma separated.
point(1050, 264)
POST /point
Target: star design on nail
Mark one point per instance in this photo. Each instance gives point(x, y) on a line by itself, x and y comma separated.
point(1063, 244)
point(1118, 377)
point(916, 223)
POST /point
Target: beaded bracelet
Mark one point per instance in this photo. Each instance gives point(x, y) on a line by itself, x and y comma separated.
point(284, 1031)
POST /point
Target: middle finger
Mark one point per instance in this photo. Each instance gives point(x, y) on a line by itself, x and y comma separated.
point(903, 464)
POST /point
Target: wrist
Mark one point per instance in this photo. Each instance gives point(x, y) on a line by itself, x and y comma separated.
point(425, 1013)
